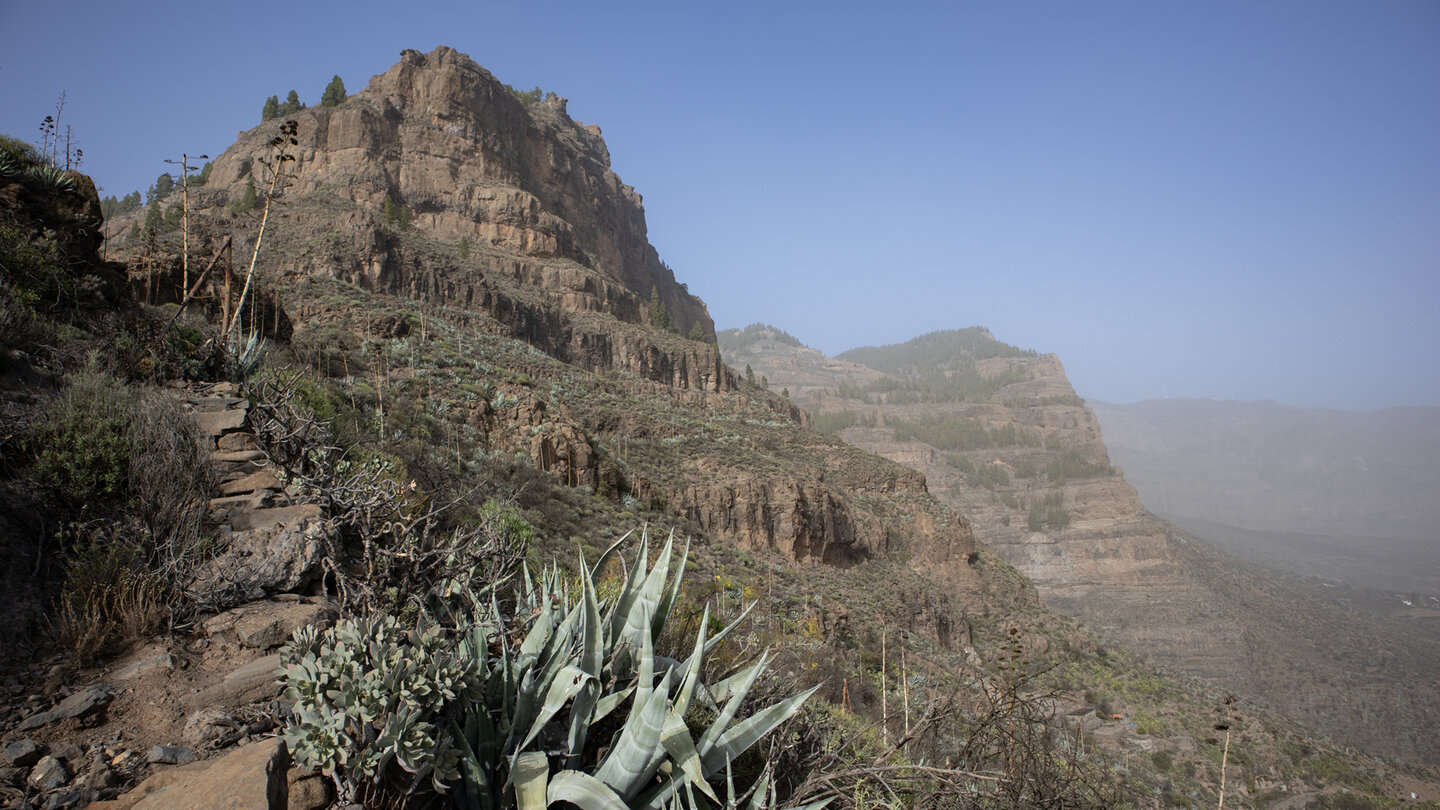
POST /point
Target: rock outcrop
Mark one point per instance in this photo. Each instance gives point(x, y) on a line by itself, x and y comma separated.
point(438, 183)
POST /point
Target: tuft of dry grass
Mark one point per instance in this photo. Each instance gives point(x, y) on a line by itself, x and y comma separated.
point(109, 597)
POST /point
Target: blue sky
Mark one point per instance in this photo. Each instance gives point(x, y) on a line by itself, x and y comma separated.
point(1223, 199)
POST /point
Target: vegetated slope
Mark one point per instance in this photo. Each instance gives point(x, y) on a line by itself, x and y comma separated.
point(1347, 496)
point(460, 373)
point(1002, 437)
point(524, 361)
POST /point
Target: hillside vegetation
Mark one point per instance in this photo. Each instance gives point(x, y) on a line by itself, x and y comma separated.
point(421, 467)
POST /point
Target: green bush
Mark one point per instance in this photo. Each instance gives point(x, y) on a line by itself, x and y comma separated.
point(81, 448)
point(32, 268)
point(1071, 466)
point(988, 476)
point(835, 421)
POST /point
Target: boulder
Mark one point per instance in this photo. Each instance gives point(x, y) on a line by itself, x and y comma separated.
point(250, 683)
point(171, 755)
point(48, 774)
point(135, 668)
point(23, 753)
point(265, 625)
point(248, 778)
point(281, 557)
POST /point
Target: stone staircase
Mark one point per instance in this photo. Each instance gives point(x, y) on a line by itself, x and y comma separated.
point(272, 542)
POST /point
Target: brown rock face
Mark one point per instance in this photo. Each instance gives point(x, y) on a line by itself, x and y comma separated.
point(549, 231)
point(1026, 463)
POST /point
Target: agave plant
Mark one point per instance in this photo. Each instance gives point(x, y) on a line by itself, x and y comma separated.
point(526, 698)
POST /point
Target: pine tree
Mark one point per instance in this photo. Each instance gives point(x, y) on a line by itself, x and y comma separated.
point(152, 218)
point(248, 200)
point(697, 332)
point(394, 213)
point(334, 93)
point(749, 374)
point(659, 315)
point(292, 104)
point(162, 188)
point(271, 108)
point(464, 248)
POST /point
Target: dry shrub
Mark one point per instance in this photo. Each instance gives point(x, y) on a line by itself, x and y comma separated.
point(397, 550)
point(132, 482)
point(170, 481)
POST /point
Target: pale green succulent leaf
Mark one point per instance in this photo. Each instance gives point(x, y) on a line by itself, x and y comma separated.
point(609, 703)
point(592, 658)
point(764, 793)
point(620, 616)
point(645, 681)
point(681, 748)
point(605, 557)
point(583, 791)
point(743, 680)
point(662, 614)
point(691, 680)
point(627, 766)
point(715, 640)
point(530, 775)
point(735, 741)
point(564, 687)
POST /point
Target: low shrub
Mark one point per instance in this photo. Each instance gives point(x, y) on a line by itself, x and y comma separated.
point(124, 466)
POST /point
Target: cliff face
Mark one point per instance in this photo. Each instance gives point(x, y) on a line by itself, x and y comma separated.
point(502, 219)
point(1104, 538)
point(1002, 439)
point(438, 183)
point(993, 468)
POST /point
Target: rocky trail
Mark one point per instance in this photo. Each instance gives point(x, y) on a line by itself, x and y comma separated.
point(188, 720)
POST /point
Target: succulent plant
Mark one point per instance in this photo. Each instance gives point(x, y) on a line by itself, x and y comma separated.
point(501, 711)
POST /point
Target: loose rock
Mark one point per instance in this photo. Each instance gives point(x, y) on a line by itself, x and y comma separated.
point(89, 701)
point(48, 774)
point(23, 753)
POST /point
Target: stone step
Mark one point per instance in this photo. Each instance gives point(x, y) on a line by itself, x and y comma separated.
point(248, 500)
point(217, 403)
point(238, 442)
point(264, 479)
point(230, 456)
point(214, 423)
point(234, 472)
point(274, 516)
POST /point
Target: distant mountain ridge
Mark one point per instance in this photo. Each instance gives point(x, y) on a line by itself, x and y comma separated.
point(1002, 438)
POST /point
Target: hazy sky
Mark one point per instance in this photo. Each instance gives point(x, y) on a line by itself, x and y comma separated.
point(1234, 200)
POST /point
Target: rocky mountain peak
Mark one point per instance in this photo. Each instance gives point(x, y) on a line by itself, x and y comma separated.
point(439, 181)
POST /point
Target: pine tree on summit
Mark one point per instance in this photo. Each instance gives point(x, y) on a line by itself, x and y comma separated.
point(292, 104)
point(271, 108)
point(334, 93)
